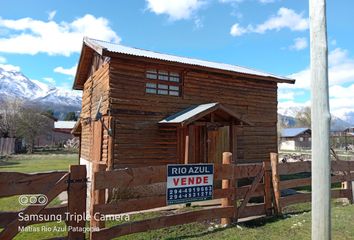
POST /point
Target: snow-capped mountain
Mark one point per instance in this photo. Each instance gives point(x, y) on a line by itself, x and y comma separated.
point(288, 118)
point(14, 84)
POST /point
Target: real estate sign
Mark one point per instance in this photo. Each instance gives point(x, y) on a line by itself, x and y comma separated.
point(189, 183)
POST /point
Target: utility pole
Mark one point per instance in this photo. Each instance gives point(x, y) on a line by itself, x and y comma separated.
point(320, 123)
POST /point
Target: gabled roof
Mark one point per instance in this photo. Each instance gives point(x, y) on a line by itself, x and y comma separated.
point(293, 132)
point(64, 124)
point(197, 112)
point(105, 48)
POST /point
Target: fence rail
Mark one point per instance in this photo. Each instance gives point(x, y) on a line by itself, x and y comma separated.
point(228, 173)
point(238, 184)
point(342, 172)
point(51, 185)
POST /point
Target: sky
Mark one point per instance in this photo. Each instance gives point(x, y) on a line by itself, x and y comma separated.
point(43, 39)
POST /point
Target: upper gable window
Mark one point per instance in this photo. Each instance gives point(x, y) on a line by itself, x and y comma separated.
point(163, 82)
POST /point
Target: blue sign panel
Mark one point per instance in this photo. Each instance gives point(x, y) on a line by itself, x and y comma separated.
point(189, 183)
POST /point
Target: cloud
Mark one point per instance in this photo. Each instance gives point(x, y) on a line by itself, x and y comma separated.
point(299, 44)
point(341, 82)
point(30, 36)
point(289, 94)
point(2, 59)
point(67, 71)
point(341, 100)
point(285, 18)
point(286, 95)
point(239, 1)
point(10, 68)
point(236, 30)
point(49, 80)
point(231, 1)
point(51, 15)
point(175, 9)
point(340, 71)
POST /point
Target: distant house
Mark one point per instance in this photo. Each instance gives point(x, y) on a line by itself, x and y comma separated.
point(343, 139)
point(62, 131)
point(295, 138)
point(349, 131)
point(57, 135)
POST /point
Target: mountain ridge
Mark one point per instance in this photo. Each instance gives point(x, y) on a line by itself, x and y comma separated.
point(15, 85)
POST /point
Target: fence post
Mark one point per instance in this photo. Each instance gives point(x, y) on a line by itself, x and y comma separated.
point(267, 180)
point(348, 186)
point(226, 184)
point(97, 197)
point(276, 185)
point(77, 202)
point(352, 185)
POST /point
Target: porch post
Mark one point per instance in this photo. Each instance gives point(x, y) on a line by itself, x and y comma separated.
point(232, 142)
point(186, 147)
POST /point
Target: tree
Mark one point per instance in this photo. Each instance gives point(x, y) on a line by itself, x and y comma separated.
point(50, 112)
point(70, 116)
point(32, 122)
point(303, 117)
point(9, 114)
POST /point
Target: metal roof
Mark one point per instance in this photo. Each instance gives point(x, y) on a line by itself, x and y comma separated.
point(100, 46)
point(293, 132)
point(187, 113)
point(194, 113)
point(64, 124)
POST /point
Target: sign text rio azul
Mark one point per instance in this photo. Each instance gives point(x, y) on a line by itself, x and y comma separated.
point(189, 183)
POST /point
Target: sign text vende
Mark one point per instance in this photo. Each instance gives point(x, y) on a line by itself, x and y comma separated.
point(189, 183)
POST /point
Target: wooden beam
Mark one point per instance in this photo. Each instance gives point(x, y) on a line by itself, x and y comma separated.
point(267, 181)
point(77, 201)
point(276, 182)
point(226, 184)
point(186, 147)
point(12, 228)
point(250, 191)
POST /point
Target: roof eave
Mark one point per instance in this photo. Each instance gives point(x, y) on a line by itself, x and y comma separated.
point(87, 44)
point(106, 52)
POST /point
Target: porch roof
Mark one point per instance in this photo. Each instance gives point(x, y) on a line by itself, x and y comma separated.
point(197, 112)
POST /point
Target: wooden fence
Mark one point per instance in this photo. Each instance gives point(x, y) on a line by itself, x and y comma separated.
point(228, 173)
point(51, 185)
point(342, 172)
point(245, 190)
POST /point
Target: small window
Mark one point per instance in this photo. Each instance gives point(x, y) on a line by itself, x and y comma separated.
point(163, 82)
point(301, 139)
point(151, 74)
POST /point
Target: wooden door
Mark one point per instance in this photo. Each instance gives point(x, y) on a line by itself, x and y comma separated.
point(218, 142)
point(201, 145)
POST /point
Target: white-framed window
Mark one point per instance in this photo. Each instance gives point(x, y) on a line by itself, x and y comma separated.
point(301, 139)
point(163, 82)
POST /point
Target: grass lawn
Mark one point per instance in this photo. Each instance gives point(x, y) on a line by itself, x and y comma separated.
point(29, 163)
point(295, 224)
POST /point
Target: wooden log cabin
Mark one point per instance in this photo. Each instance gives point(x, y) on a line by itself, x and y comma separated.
point(142, 108)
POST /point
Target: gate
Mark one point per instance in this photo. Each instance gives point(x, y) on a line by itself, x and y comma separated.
point(48, 185)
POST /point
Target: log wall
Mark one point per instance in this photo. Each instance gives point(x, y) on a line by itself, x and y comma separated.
point(139, 141)
point(95, 87)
